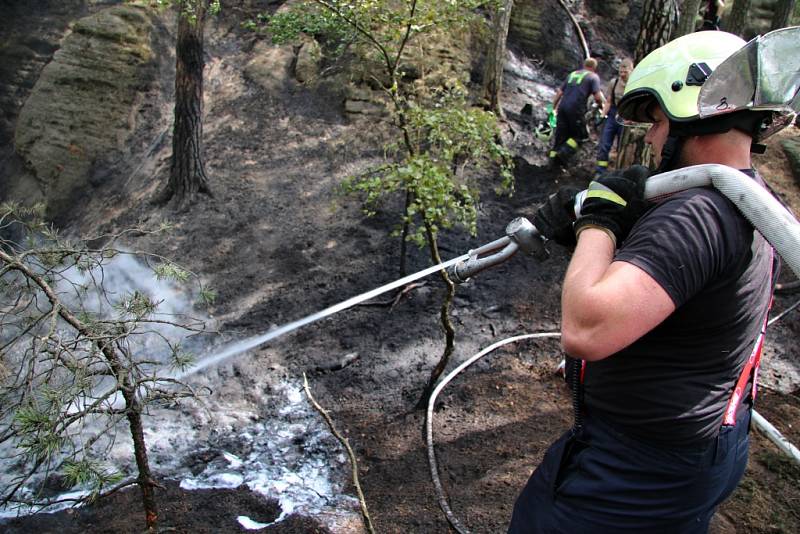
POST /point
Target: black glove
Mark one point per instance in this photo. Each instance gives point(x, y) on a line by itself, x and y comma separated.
point(614, 202)
point(555, 216)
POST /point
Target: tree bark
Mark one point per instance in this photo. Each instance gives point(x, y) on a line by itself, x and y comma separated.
point(688, 17)
point(496, 58)
point(187, 175)
point(447, 325)
point(658, 21)
point(737, 20)
point(784, 9)
point(146, 483)
point(659, 18)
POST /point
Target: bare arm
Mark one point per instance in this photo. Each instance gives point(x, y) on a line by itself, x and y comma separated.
point(600, 99)
point(607, 305)
point(607, 99)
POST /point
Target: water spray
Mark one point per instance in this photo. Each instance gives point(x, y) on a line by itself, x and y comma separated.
point(763, 210)
point(261, 339)
point(520, 235)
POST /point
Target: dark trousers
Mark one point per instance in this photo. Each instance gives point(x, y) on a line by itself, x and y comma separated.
point(611, 131)
point(602, 481)
point(570, 132)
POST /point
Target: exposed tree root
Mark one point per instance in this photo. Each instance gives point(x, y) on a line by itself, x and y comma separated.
point(353, 462)
point(392, 302)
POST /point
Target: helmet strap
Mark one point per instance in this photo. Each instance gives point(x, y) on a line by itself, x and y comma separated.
point(670, 153)
point(745, 121)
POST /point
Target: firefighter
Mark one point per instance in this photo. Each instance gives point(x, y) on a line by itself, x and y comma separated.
point(663, 308)
point(712, 15)
point(612, 127)
point(570, 103)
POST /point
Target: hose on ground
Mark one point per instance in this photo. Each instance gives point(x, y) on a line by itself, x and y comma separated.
point(578, 30)
point(437, 483)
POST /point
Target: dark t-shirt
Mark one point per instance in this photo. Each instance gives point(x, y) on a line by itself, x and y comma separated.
point(577, 88)
point(672, 385)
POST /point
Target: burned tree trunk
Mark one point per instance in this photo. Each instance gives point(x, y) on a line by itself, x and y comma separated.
point(493, 76)
point(688, 17)
point(783, 13)
point(187, 175)
point(658, 21)
point(737, 20)
point(146, 482)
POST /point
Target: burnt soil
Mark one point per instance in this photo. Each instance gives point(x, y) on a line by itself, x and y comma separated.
point(277, 241)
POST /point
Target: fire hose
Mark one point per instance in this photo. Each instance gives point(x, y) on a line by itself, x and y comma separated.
point(765, 213)
point(768, 216)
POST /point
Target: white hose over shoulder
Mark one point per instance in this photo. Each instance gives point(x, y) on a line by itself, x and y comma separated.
point(774, 221)
point(765, 213)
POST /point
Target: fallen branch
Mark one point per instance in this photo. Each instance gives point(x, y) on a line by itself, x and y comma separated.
point(353, 462)
point(339, 364)
point(392, 302)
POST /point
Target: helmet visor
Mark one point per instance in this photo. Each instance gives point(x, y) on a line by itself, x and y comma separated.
point(762, 75)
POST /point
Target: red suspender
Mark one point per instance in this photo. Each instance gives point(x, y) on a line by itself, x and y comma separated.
point(751, 366)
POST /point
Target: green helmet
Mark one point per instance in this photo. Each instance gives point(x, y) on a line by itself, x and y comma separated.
point(673, 75)
point(710, 82)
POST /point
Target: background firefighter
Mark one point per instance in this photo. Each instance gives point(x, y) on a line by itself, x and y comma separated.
point(612, 127)
point(570, 103)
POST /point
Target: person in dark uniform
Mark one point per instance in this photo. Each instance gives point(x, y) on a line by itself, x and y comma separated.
point(664, 307)
point(612, 127)
point(570, 103)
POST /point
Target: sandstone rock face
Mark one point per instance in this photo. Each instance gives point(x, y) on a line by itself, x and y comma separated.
point(617, 10)
point(29, 35)
point(307, 60)
point(271, 67)
point(542, 29)
point(28, 38)
point(83, 104)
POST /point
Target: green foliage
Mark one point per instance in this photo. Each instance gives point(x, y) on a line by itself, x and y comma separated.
point(181, 359)
point(450, 140)
point(453, 131)
point(70, 346)
point(189, 7)
point(385, 25)
point(89, 473)
point(136, 305)
point(207, 296)
point(442, 140)
point(36, 423)
point(170, 271)
point(306, 18)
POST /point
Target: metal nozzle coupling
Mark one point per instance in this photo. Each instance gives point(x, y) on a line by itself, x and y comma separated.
point(520, 234)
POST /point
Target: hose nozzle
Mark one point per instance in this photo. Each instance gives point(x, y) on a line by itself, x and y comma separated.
point(520, 235)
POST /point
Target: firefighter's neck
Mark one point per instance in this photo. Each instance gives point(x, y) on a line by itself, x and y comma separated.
point(730, 148)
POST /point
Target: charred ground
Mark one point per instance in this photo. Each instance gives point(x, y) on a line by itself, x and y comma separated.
point(277, 241)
